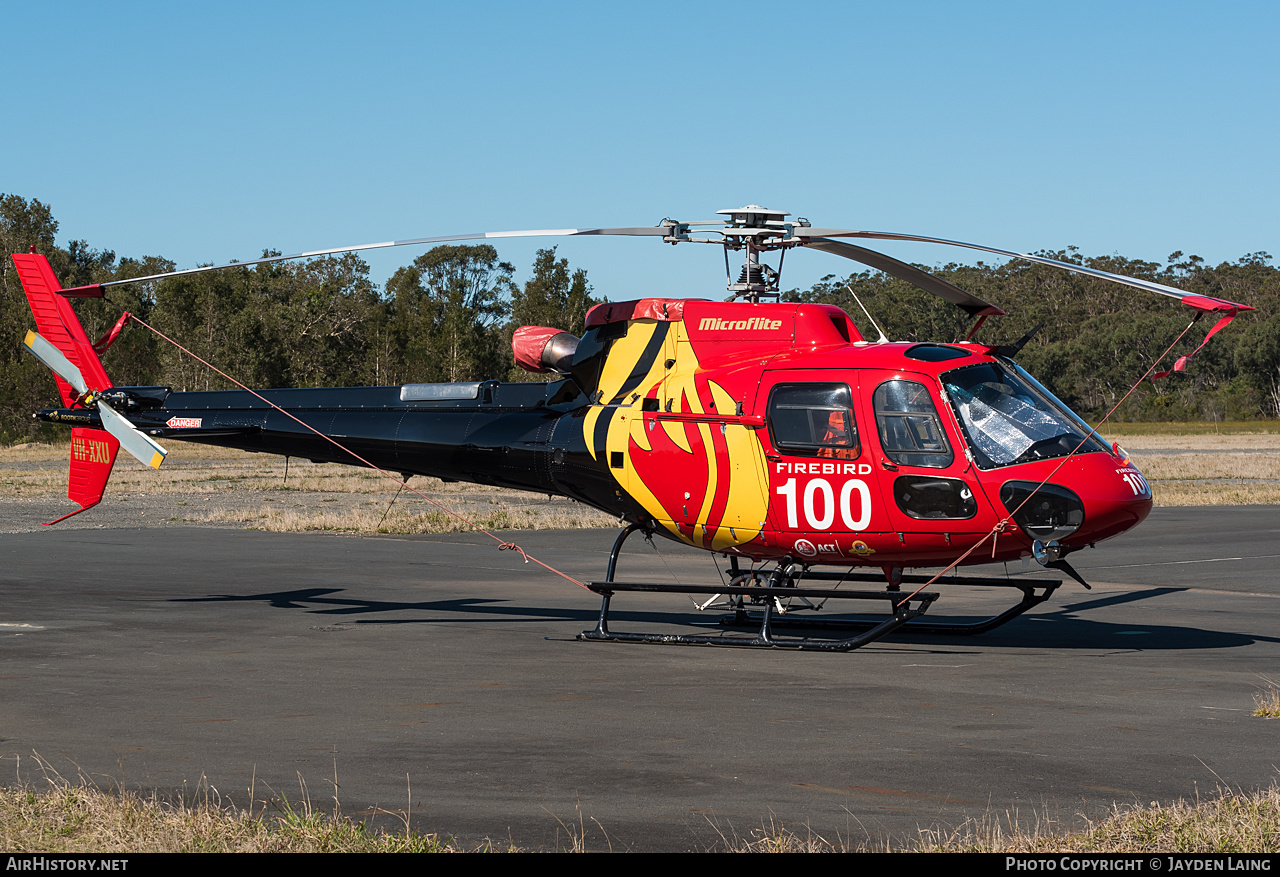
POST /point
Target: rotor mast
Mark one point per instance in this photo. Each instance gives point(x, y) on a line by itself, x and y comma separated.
point(756, 229)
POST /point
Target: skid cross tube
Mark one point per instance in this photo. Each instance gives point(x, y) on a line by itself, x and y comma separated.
point(754, 605)
point(1028, 587)
point(902, 610)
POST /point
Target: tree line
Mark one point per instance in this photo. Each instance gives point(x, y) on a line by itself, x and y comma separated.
point(449, 315)
point(1094, 339)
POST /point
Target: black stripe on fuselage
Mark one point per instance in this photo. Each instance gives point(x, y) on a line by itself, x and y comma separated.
point(638, 372)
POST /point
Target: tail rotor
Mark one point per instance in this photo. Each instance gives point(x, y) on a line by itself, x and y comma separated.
point(61, 345)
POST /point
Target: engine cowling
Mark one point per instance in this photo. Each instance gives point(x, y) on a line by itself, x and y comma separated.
point(542, 349)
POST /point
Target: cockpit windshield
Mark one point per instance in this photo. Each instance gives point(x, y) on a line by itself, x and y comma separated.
point(1008, 418)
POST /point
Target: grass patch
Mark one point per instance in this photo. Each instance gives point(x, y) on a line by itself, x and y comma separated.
point(1187, 465)
point(1260, 466)
point(1202, 444)
point(1212, 493)
point(1217, 476)
point(236, 484)
point(1200, 427)
point(80, 817)
point(408, 519)
point(1229, 822)
point(1267, 703)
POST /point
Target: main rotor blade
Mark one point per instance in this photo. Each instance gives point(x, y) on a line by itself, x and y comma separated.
point(54, 360)
point(139, 444)
point(638, 231)
point(1202, 302)
point(913, 275)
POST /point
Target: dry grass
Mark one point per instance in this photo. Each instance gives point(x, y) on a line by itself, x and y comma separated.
point(1209, 444)
point(1238, 466)
point(412, 518)
point(236, 487)
point(1210, 493)
point(1198, 428)
point(1223, 466)
point(1228, 823)
point(1267, 702)
point(80, 817)
point(1235, 467)
point(38, 470)
point(1246, 473)
point(774, 837)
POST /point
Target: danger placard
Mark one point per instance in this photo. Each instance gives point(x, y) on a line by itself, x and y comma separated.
point(183, 422)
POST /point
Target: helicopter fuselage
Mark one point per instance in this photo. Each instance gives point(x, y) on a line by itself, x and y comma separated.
point(765, 431)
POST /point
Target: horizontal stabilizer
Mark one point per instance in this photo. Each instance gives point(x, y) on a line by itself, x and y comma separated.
point(93, 454)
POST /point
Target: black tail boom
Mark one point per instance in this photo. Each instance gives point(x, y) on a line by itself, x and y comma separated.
point(526, 436)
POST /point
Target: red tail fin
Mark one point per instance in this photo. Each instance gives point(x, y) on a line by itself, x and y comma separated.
point(57, 322)
point(93, 451)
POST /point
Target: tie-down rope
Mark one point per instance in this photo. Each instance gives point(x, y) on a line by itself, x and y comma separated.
point(1003, 523)
point(502, 546)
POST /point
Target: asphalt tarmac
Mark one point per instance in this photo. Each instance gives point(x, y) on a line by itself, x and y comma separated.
point(439, 679)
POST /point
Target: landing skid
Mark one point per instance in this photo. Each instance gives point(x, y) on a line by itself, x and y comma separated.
point(764, 598)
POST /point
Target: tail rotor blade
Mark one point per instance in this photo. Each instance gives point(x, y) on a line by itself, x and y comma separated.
point(140, 445)
point(53, 359)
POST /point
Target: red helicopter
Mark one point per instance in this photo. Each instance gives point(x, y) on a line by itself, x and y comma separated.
point(770, 433)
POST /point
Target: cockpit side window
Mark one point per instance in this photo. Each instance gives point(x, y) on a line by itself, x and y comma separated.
point(910, 431)
point(814, 420)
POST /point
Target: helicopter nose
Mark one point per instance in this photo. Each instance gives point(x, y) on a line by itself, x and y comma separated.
point(1089, 499)
point(1116, 498)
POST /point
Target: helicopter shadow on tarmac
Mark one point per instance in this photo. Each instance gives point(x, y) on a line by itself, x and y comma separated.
point(1063, 627)
point(1057, 628)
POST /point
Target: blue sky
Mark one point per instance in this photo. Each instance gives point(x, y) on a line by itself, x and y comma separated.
point(208, 132)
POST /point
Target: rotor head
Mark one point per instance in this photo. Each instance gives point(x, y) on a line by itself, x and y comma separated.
point(756, 229)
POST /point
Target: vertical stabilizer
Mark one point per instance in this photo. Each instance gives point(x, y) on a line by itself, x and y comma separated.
point(93, 451)
point(56, 321)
